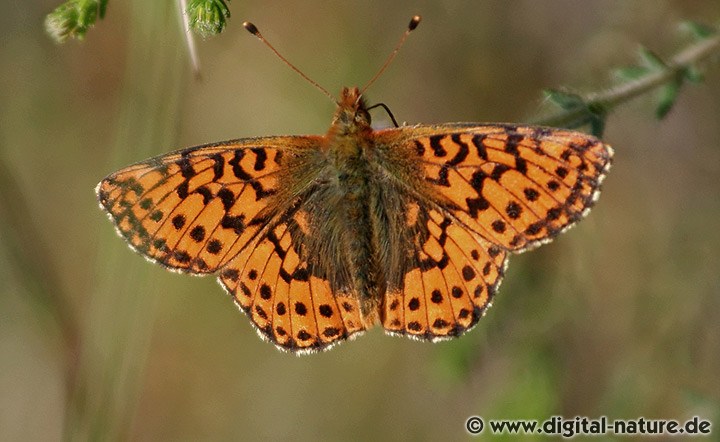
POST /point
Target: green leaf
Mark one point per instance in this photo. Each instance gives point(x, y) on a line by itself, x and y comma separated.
point(668, 97)
point(597, 116)
point(102, 8)
point(208, 17)
point(651, 60)
point(698, 30)
point(597, 126)
point(693, 74)
point(583, 113)
point(565, 100)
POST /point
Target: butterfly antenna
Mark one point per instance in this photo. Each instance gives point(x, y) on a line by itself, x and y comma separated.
point(414, 22)
point(251, 28)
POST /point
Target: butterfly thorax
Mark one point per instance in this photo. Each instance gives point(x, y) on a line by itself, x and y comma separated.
point(349, 150)
point(349, 137)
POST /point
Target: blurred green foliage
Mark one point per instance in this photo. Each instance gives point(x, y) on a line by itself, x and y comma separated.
point(619, 316)
point(74, 18)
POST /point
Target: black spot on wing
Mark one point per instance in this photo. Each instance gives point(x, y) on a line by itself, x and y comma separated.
point(462, 152)
point(186, 168)
point(477, 141)
point(260, 158)
point(436, 145)
point(237, 168)
point(218, 166)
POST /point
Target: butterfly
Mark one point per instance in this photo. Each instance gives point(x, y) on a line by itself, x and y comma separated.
point(318, 238)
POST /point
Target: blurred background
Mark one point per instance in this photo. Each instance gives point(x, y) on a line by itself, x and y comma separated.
point(618, 317)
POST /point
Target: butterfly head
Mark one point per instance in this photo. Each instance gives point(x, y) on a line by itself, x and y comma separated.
point(351, 115)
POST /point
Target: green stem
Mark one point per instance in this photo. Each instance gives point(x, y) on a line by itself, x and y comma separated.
point(693, 55)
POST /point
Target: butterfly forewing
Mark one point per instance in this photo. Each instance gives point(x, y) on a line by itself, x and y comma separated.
point(195, 209)
point(516, 186)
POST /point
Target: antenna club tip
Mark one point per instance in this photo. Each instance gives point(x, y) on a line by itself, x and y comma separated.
point(414, 22)
point(251, 28)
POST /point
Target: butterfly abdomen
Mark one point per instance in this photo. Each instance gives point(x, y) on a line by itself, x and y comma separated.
point(355, 191)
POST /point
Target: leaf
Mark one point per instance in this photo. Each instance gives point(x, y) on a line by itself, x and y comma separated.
point(593, 114)
point(698, 30)
point(651, 60)
point(693, 74)
point(668, 97)
point(597, 115)
point(102, 8)
point(565, 100)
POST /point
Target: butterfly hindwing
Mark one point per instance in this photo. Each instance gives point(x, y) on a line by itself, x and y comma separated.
point(451, 280)
point(287, 301)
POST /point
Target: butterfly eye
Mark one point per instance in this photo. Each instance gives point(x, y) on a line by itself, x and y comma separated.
point(362, 116)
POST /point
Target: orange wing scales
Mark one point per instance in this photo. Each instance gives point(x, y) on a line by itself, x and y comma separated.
point(515, 186)
point(289, 305)
point(457, 273)
point(196, 209)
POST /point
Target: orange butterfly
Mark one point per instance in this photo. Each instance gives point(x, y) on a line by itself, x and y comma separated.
point(318, 238)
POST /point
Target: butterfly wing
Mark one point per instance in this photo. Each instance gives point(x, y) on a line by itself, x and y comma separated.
point(232, 207)
point(516, 186)
point(452, 278)
point(481, 191)
point(288, 300)
point(470, 194)
point(195, 209)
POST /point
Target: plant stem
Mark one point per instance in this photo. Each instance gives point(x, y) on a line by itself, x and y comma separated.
point(119, 313)
point(189, 39)
point(693, 55)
